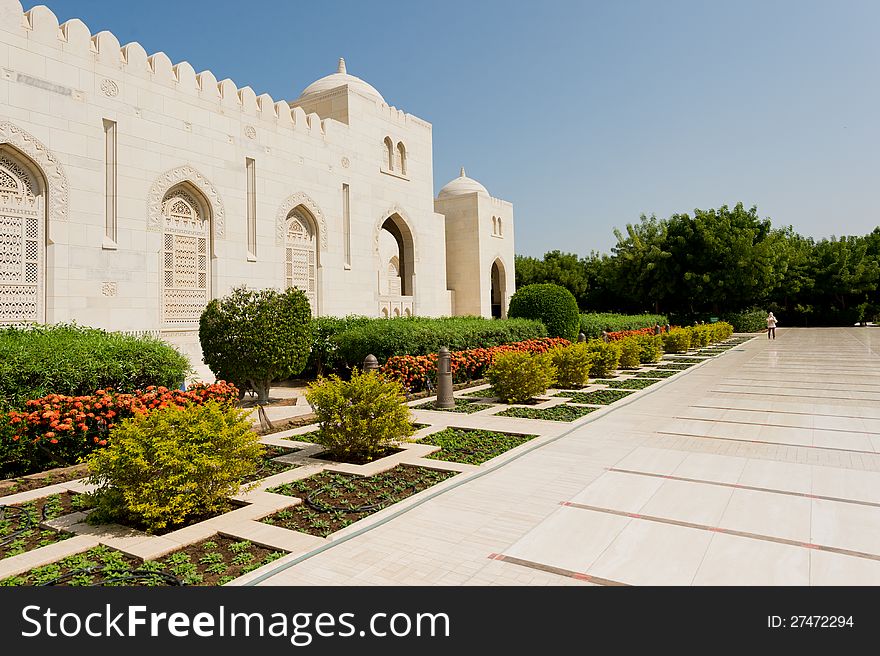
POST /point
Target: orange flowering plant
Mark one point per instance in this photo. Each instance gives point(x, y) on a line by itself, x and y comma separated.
point(414, 371)
point(57, 429)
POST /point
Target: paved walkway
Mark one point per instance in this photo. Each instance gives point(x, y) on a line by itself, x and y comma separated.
point(760, 467)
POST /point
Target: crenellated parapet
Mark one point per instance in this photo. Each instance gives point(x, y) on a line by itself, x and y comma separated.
point(74, 39)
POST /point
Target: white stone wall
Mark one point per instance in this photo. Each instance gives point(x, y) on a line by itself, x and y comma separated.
point(59, 83)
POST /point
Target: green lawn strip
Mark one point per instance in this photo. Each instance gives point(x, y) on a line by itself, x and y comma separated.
point(333, 501)
point(597, 397)
point(564, 412)
point(214, 561)
point(471, 446)
point(656, 374)
point(670, 359)
point(20, 529)
point(461, 405)
point(676, 366)
point(481, 394)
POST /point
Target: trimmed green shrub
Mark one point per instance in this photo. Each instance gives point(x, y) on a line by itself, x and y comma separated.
point(324, 356)
point(700, 335)
point(677, 340)
point(606, 357)
point(723, 330)
point(572, 365)
point(253, 337)
point(68, 359)
point(592, 324)
point(361, 417)
point(552, 305)
point(629, 354)
point(385, 338)
point(748, 321)
point(173, 465)
point(650, 348)
point(517, 377)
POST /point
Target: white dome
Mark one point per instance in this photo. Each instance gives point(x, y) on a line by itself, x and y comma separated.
point(461, 186)
point(338, 79)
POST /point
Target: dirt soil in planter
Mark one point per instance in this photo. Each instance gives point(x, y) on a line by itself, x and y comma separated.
point(352, 460)
point(293, 422)
point(473, 447)
point(461, 405)
point(43, 479)
point(20, 529)
point(268, 466)
point(214, 561)
point(228, 506)
point(333, 501)
point(562, 412)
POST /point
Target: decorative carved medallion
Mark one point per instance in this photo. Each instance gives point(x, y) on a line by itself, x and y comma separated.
point(110, 88)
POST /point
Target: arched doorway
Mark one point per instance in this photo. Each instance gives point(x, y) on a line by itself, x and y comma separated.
point(301, 254)
point(499, 290)
point(22, 239)
point(186, 256)
point(396, 273)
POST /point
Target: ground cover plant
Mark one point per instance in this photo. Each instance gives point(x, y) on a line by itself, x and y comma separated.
point(687, 360)
point(631, 384)
point(596, 397)
point(562, 412)
point(655, 374)
point(20, 528)
point(215, 561)
point(461, 405)
point(333, 501)
point(471, 446)
point(675, 366)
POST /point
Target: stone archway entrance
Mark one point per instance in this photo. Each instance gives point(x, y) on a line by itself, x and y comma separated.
point(499, 290)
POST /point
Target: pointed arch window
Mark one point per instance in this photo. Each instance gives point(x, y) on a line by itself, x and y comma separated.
point(301, 256)
point(22, 243)
point(186, 257)
point(401, 158)
point(389, 153)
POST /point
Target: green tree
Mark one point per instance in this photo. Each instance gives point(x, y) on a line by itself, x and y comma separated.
point(252, 338)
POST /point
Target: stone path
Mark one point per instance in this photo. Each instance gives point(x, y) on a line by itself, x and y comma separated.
point(761, 466)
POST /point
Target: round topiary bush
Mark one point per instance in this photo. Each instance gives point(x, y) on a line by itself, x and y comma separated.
point(251, 338)
point(552, 305)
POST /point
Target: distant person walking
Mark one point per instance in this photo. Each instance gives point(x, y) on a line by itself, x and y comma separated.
point(771, 326)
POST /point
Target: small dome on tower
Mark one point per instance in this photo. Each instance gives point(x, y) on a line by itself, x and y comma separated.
point(461, 186)
point(338, 79)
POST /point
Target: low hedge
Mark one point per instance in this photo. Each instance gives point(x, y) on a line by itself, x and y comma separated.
point(386, 338)
point(414, 371)
point(748, 321)
point(74, 360)
point(592, 324)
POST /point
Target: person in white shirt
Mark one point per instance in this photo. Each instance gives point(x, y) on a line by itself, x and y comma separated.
point(771, 326)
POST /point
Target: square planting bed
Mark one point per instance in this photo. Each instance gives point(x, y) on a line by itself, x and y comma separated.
point(675, 366)
point(668, 359)
point(598, 397)
point(472, 446)
point(485, 393)
point(43, 479)
point(214, 561)
point(20, 525)
point(333, 501)
point(657, 373)
point(631, 384)
point(562, 412)
point(461, 405)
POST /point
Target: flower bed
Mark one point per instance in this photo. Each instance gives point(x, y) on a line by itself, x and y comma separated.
point(461, 405)
point(623, 334)
point(471, 446)
point(58, 429)
point(214, 561)
point(562, 412)
point(269, 466)
point(20, 528)
point(598, 397)
point(415, 370)
point(631, 384)
point(655, 374)
point(333, 501)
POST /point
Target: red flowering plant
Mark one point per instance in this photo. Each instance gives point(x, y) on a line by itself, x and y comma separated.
point(623, 334)
point(58, 430)
point(414, 371)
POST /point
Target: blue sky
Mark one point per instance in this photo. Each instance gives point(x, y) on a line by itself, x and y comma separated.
point(583, 114)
